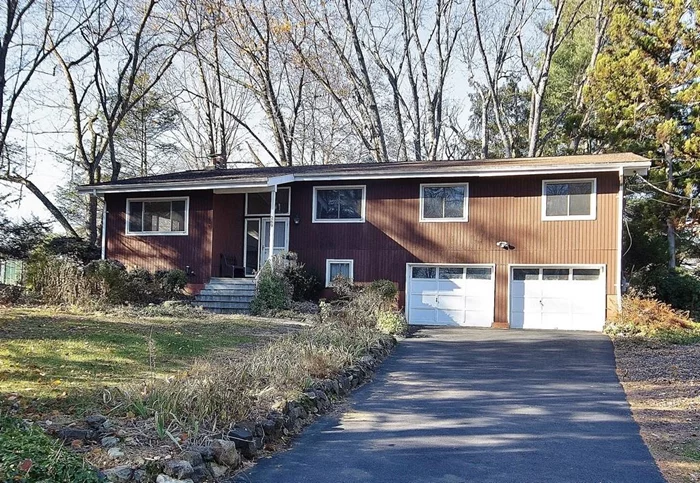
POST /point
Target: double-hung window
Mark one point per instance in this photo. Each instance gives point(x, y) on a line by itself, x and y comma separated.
point(569, 199)
point(444, 202)
point(339, 204)
point(157, 216)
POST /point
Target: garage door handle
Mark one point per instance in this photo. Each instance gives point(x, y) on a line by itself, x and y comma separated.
point(541, 304)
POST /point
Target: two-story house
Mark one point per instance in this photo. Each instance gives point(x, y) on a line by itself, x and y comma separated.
point(521, 243)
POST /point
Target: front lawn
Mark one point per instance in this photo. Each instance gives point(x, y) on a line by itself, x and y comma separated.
point(53, 359)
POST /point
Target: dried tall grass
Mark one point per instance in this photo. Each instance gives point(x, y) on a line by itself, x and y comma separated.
point(648, 317)
point(222, 391)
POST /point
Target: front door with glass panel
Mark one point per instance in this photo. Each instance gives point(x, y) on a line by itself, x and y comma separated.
point(257, 244)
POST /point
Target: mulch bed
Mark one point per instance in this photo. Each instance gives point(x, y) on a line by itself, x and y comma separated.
point(662, 382)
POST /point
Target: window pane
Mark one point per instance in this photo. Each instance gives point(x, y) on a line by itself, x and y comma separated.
point(339, 204)
point(586, 274)
point(280, 232)
point(479, 273)
point(526, 274)
point(157, 216)
point(251, 246)
point(178, 215)
point(259, 203)
point(432, 208)
point(555, 274)
point(339, 268)
point(580, 198)
point(350, 204)
point(424, 272)
point(451, 273)
point(135, 216)
point(327, 204)
point(454, 202)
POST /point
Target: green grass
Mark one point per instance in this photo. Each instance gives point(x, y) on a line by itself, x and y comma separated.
point(52, 355)
point(691, 451)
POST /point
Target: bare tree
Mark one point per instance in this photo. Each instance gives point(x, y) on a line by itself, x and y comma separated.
point(537, 66)
point(121, 55)
point(31, 31)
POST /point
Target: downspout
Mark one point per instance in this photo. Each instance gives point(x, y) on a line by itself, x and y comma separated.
point(620, 198)
point(103, 240)
point(273, 203)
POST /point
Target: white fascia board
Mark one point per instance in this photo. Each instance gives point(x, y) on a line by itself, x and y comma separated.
point(480, 173)
point(187, 186)
point(277, 180)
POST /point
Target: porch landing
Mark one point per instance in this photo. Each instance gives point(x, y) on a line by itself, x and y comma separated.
point(227, 295)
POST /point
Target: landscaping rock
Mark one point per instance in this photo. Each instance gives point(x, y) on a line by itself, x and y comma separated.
point(168, 479)
point(109, 441)
point(200, 473)
point(178, 469)
point(217, 471)
point(244, 441)
point(95, 421)
point(192, 457)
point(205, 451)
point(225, 453)
point(115, 453)
point(140, 476)
point(71, 434)
point(118, 474)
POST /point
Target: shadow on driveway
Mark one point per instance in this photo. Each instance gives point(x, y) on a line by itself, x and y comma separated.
point(482, 405)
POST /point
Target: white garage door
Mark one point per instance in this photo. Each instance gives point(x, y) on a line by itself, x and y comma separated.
point(450, 295)
point(566, 298)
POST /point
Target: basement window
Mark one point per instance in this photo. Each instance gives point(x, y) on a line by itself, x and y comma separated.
point(338, 268)
point(157, 216)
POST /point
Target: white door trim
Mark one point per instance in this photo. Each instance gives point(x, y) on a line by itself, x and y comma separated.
point(409, 266)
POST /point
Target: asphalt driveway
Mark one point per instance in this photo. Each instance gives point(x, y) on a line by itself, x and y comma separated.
point(463, 405)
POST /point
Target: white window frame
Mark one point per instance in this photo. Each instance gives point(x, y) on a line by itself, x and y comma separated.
point(463, 219)
point(289, 205)
point(349, 261)
point(341, 187)
point(594, 192)
point(186, 199)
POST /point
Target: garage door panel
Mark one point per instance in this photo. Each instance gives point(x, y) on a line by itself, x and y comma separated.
point(419, 286)
point(424, 301)
point(450, 302)
point(423, 316)
point(450, 317)
point(450, 285)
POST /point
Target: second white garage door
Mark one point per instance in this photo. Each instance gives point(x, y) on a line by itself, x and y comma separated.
point(450, 295)
point(565, 298)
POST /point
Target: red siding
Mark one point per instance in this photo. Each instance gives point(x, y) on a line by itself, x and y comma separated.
point(499, 209)
point(228, 229)
point(160, 252)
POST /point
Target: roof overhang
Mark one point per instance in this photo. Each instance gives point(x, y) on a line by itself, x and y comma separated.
point(267, 183)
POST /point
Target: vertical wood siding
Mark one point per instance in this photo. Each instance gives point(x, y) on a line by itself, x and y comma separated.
point(506, 209)
point(163, 252)
point(228, 236)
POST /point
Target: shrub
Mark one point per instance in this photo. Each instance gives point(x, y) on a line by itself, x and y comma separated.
point(10, 294)
point(61, 280)
point(113, 275)
point(171, 282)
point(363, 304)
point(72, 247)
point(392, 322)
point(305, 285)
point(679, 288)
point(272, 294)
point(29, 455)
point(646, 317)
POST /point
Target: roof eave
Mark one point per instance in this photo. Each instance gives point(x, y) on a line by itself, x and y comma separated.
point(628, 169)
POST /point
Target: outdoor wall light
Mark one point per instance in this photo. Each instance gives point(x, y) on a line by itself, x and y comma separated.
point(296, 219)
point(505, 245)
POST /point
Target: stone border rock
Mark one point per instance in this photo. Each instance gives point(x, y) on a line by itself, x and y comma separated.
point(246, 439)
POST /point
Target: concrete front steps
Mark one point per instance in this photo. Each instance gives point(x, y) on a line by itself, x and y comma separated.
point(227, 295)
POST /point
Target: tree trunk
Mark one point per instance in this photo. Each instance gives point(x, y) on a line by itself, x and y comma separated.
point(485, 104)
point(46, 202)
point(670, 226)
